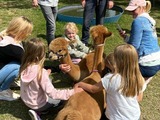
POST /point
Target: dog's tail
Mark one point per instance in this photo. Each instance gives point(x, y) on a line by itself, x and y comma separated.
point(69, 114)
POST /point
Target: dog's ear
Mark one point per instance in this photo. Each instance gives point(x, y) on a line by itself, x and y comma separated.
point(59, 42)
point(105, 31)
point(108, 34)
point(94, 32)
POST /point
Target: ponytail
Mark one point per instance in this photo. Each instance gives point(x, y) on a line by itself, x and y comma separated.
point(148, 6)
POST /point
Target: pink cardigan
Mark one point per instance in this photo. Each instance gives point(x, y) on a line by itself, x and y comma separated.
point(35, 93)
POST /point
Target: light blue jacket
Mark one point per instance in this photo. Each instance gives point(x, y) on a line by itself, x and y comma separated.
point(143, 35)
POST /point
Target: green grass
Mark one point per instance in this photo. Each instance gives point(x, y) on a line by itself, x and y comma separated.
point(16, 110)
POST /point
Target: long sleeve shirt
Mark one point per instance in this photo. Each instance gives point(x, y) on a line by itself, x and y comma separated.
point(35, 93)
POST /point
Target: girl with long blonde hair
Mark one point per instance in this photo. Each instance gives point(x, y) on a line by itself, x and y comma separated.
point(124, 88)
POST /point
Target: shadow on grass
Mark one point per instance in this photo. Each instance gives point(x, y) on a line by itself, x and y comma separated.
point(19, 111)
point(158, 32)
point(41, 36)
point(16, 109)
point(59, 79)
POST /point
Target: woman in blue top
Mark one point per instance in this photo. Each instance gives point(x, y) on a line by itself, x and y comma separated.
point(143, 37)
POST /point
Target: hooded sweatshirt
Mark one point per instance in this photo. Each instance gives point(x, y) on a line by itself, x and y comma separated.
point(10, 51)
point(35, 93)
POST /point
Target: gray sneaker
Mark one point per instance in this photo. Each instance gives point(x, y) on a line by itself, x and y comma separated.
point(8, 95)
point(34, 115)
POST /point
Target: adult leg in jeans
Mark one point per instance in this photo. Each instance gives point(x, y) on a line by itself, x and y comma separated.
point(50, 15)
point(88, 15)
point(101, 11)
point(8, 74)
point(149, 71)
point(10, 78)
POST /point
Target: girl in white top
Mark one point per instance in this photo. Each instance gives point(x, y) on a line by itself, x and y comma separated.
point(124, 88)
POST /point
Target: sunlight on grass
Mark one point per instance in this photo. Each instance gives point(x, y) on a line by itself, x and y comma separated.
point(18, 111)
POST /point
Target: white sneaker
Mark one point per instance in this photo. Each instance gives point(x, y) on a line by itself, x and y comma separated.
point(15, 95)
point(8, 95)
point(34, 115)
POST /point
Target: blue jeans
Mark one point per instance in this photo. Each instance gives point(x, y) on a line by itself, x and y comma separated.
point(149, 71)
point(50, 15)
point(8, 74)
point(91, 8)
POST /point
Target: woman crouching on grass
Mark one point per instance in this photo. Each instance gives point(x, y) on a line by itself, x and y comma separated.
point(124, 88)
point(37, 91)
point(11, 52)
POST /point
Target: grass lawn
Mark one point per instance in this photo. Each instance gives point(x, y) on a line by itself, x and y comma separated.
point(16, 110)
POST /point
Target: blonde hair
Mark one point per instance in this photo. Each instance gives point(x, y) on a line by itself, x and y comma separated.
point(126, 59)
point(3, 33)
point(19, 28)
point(71, 26)
point(34, 54)
point(148, 6)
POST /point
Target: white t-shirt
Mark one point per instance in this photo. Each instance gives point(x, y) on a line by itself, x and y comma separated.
point(119, 107)
point(52, 3)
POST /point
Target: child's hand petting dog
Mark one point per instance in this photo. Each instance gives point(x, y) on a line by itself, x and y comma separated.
point(49, 71)
point(65, 67)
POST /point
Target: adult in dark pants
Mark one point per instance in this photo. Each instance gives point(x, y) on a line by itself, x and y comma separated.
point(92, 7)
point(49, 9)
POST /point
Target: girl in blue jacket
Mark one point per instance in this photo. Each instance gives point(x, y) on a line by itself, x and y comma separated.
point(143, 37)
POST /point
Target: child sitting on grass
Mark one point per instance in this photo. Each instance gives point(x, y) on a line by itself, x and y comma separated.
point(37, 91)
point(76, 48)
point(124, 88)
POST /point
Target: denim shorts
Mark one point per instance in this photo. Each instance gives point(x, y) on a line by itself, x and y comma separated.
point(149, 71)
